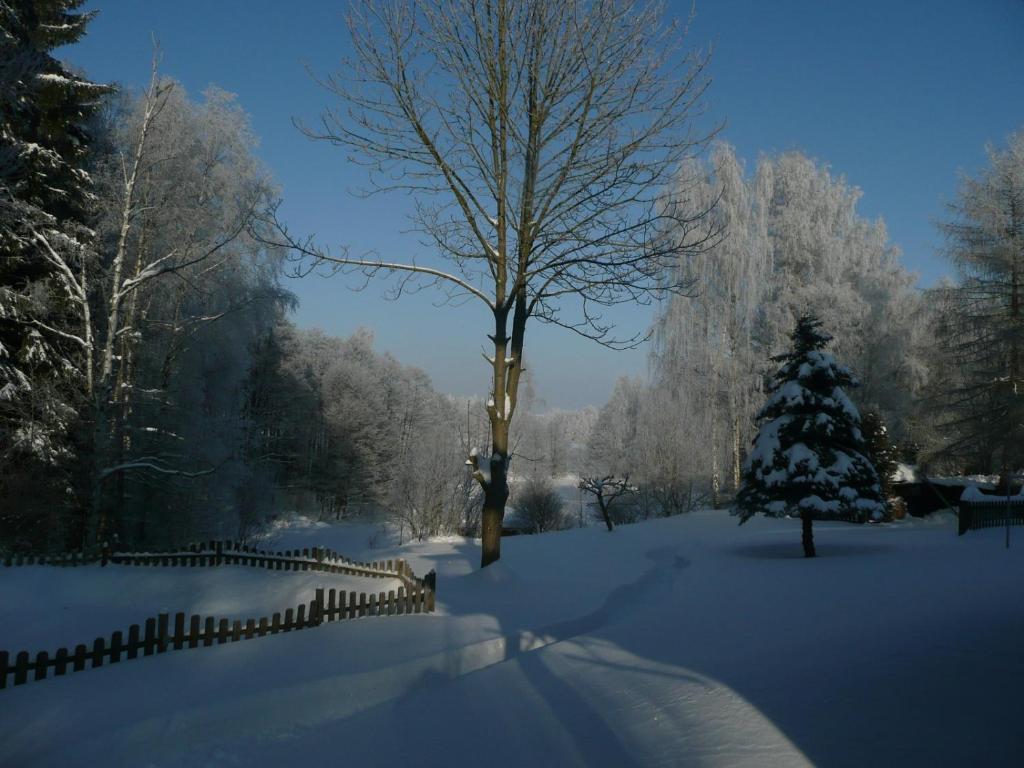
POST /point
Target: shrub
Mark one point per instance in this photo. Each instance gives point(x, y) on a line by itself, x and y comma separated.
point(540, 507)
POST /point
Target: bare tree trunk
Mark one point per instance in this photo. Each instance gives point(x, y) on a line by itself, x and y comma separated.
point(807, 536)
point(736, 451)
point(716, 475)
point(495, 496)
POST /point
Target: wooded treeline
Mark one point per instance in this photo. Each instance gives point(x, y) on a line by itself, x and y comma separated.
point(939, 369)
point(151, 388)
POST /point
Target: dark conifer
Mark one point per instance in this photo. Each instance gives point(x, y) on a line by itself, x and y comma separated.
point(809, 458)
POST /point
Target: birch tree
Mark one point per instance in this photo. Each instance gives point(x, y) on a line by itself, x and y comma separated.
point(179, 193)
point(538, 140)
point(793, 241)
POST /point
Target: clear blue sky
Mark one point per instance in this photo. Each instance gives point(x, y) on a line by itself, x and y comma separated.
point(897, 95)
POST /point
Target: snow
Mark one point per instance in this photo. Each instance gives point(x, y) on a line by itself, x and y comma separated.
point(905, 473)
point(681, 641)
point(971, 493)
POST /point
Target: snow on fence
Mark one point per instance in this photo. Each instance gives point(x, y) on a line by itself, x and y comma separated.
point(157, 635)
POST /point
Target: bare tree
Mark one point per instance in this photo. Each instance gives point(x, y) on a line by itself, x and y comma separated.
point(606, 491)
point(538, 140)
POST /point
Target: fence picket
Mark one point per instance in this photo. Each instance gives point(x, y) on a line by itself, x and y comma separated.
point(42, 665)
point(60, 664)
point(133, 641)
point(161, 632)
point(179, 631)
point(21, 668)
point(97, 652)
point(149, 643)
point(193, 631)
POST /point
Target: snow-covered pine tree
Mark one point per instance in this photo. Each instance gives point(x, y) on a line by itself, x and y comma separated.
point(809, 457)
point(45, 207)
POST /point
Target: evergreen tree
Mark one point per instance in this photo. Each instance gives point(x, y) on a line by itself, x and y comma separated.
point(809, 457)
point(880, 450)
point(45, 207)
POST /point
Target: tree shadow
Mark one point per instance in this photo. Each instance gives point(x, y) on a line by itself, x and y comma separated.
point(780, 550)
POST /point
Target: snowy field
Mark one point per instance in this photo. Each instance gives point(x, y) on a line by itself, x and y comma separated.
point(687, 641)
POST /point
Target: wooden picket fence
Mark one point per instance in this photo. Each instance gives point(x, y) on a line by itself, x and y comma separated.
point(994, 512)
point(159, 634)
point(215, 553)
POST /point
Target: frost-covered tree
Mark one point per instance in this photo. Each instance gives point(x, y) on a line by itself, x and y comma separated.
point(179, 194)
point(708, 345)
point(793, 242)
point(539, 138)
point(982, 322)
point(808, 458)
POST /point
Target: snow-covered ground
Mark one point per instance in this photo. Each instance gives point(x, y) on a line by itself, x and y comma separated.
point(686, 641)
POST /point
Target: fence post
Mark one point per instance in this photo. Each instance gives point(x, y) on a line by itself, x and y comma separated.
point(97, 652)
point(61, 662)
point(150, 637)
point(133, 641)
point(161, 632)
point(21, 668)
point(318, 618)
point(179, 631)
point(42, 662)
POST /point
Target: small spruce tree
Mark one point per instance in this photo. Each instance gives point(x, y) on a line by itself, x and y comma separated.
point(809, 458)
point(880, 450)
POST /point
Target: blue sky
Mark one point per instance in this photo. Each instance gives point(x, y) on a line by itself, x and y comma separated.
point(896, 95)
